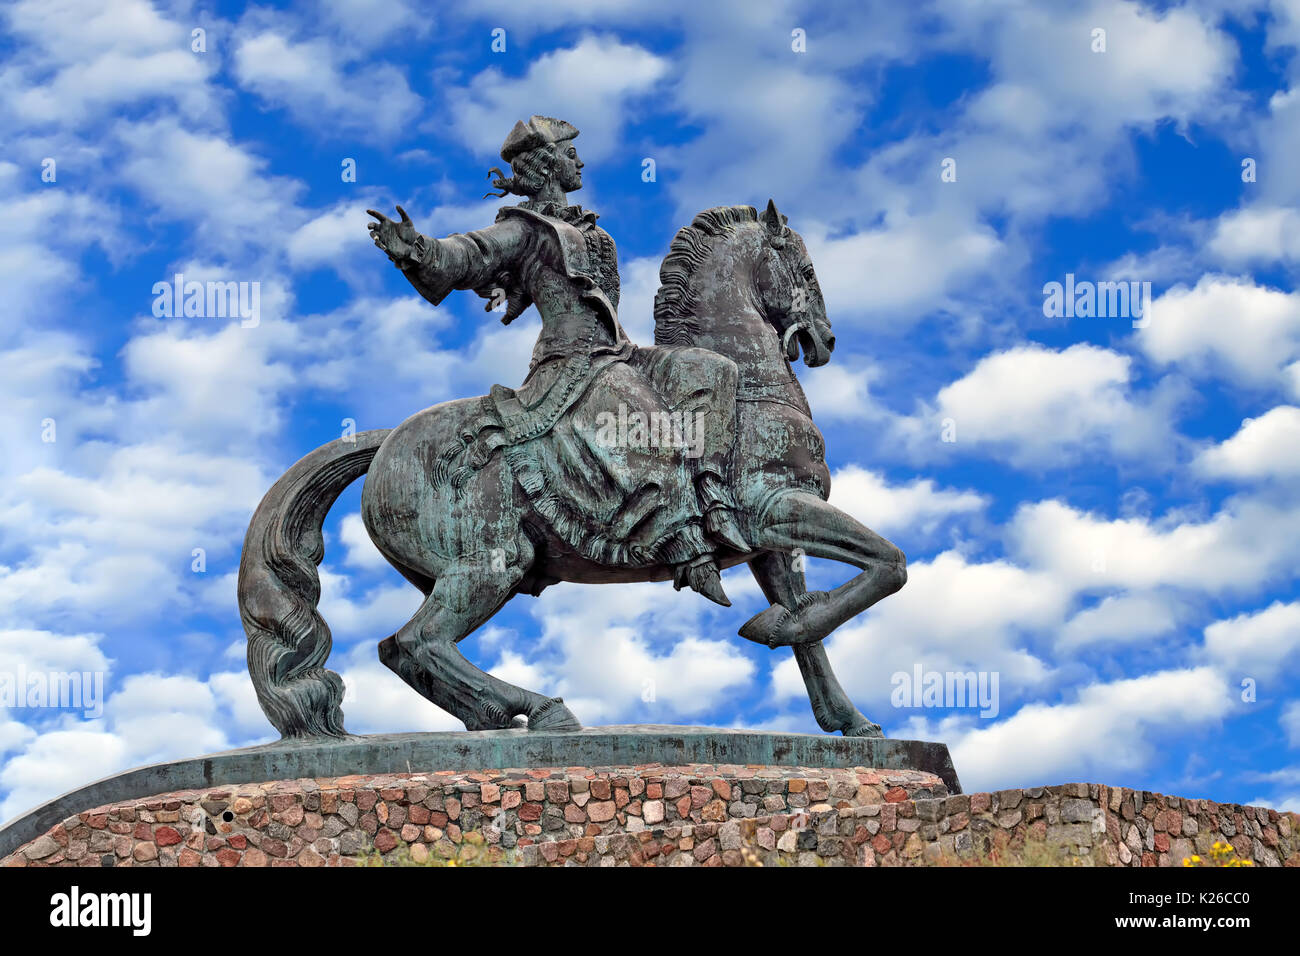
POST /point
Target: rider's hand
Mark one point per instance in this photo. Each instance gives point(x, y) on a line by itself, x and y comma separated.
point(397, 239)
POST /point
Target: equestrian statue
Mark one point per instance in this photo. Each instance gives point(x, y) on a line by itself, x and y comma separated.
point(611, 462)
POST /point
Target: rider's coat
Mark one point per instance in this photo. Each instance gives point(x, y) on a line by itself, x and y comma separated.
point(585, 373)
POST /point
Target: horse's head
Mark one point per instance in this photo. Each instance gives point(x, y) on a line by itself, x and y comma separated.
point(732, 275)
point(790, 296)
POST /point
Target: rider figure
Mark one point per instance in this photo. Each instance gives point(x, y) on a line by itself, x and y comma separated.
point(551, 253)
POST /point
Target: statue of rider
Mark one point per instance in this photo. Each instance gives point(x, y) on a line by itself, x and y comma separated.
point(616, 504)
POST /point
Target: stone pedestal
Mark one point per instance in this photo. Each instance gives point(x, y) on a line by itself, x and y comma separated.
point(692, 815)
point(613, 752)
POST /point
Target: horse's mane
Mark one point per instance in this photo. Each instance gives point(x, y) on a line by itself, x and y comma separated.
point(675, 319)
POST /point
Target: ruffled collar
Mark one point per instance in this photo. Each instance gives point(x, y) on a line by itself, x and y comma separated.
point(574, 215)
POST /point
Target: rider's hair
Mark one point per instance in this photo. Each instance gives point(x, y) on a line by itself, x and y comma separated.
point(532, 170)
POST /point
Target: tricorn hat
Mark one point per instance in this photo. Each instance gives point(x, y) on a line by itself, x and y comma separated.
point(538, 131)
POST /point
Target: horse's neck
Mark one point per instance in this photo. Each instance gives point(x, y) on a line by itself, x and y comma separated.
point(734, 326)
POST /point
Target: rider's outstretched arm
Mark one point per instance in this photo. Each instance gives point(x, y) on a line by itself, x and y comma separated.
point(473, 260)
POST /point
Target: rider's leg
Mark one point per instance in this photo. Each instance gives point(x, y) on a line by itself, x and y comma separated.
point(653, 458)
point(699, 386)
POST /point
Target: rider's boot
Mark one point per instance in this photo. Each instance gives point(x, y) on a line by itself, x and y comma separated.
point(701, 575)
point(720, 512)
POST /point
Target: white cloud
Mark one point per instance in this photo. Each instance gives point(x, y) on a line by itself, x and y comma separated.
point(1290, 722)
point(1257, 234)
point(588, 84)
point(234, 693)
point(114, 541)
point(85, 58)
point(953, 615)
point(1170, 64)
point(1264, 447)
point(378, 701)
point(1226, 326)
point(1241, 548)
point(47, 651)
point(218, 388)
point(639, 282)
point(371, 616)
point(218, 187)
point(48, 232)
point(841, 390)
point(1038, 406)
point(14, 735)
point(1259, 644)
point(57, 762)
point(335, 239)
point(388, 356)
point(152, 717)
point(309, 79)
point(917, 262)
point(917, 506)
point(602, 659)
point(166, 716)
point(1120, 619)
point(906, 244)
point(47, 378)
point(361, 551)
point(364, 23)
point(1108, 731)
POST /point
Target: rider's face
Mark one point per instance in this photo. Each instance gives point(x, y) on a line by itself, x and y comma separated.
point(568, 167)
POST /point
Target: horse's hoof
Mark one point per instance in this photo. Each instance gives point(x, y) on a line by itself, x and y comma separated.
point(862, 728)
point(552, 715)
point(774, 627)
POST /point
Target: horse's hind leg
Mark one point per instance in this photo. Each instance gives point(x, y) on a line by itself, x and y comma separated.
point(424, 653)
point(783, 583)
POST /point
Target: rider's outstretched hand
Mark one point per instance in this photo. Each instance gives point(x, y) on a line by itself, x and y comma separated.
point(397, 239)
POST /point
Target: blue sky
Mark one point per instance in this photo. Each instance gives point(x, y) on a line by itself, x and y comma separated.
point(1114, 531)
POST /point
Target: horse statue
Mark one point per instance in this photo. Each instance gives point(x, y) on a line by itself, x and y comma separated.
point(469, 502)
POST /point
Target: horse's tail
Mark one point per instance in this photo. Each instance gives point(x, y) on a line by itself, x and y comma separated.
point(288, 641)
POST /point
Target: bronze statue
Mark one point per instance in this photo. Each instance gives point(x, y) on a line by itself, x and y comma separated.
point(610, 462)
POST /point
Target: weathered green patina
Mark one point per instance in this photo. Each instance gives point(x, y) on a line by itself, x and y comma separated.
point(610, 462)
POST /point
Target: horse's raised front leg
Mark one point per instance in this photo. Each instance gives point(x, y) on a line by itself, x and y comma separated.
point(804, 522)
point(782, 582)
point(424, 653)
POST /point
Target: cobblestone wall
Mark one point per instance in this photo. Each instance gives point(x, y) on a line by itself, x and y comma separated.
point(654, 815)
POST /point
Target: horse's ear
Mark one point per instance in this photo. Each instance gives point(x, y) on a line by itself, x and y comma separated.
point(773, 220)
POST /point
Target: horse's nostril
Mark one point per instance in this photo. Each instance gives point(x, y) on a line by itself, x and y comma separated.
point(830, 344)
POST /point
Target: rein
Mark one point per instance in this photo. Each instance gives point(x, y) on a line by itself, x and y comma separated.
point(778, 392)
